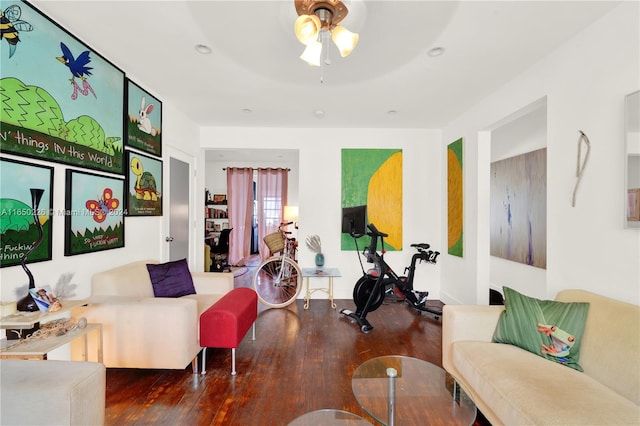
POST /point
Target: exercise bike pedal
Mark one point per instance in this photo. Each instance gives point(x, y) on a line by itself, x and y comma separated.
point(365, 326)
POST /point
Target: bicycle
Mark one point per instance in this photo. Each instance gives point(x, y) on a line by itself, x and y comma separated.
point(278, 280)
point(370, 290)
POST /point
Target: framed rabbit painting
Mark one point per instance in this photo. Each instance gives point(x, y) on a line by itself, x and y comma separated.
point(143, 121)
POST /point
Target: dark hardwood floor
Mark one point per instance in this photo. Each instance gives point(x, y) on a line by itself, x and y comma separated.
point(302, 360)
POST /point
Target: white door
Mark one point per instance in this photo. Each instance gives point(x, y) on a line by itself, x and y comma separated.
point(178, 238)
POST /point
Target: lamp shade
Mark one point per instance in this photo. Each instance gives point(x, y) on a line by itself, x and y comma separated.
point(312, 53)
point(344, 39)
point(307, 28)
point(290, 213)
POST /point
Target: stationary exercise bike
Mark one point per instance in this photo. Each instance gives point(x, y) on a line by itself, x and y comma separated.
point(370, 290)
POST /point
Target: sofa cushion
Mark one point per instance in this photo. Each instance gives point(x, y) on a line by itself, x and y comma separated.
point(524, 389)
point(131, 279)
point(171, 279)
point(547, 328)
point(610, 347)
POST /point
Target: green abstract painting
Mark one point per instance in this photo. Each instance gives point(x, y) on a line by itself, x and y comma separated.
point(372, 185)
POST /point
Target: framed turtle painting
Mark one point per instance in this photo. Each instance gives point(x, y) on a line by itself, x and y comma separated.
point(26, 210)
point(143, 120)
point(144, 185)
point(94, 217)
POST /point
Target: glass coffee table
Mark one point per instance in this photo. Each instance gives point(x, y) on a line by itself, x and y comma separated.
point(329, 417)
point(404, 390)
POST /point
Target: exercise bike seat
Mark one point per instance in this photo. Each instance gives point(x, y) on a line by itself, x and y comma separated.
point(421, 246)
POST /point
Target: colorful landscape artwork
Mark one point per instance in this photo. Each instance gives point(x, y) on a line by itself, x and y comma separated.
point(18, 226)
point(61, 101)
point(94, 217)
point(144, 185)
point(144, 120)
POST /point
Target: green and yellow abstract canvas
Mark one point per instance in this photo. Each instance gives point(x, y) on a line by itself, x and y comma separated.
point(372, 181)
point(455, 198)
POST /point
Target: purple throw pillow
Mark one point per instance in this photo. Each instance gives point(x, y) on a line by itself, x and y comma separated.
point(171, 279)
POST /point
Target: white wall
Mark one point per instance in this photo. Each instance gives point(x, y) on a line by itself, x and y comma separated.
point(585, 82)
point(320, 189)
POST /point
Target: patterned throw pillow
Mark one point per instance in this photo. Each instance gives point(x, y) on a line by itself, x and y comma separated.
point(171, 279)
point(547, 328)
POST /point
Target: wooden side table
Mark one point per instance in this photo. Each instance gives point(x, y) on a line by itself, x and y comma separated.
point(38, 348)
point(330, 273)
point(26, 320)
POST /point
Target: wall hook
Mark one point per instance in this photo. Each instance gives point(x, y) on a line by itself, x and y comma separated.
point(581, 164)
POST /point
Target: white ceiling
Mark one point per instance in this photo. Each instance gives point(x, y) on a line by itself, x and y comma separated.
point(253, 76)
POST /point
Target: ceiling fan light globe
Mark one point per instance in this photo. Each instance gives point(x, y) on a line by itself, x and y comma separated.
point(344, 39)
point(306, 28)
point(312, 53)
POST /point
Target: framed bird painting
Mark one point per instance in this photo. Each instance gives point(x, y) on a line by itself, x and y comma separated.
point(61, 100)
point(143, 126)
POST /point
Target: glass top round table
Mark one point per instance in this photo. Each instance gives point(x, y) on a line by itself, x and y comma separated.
point(329, 417)
point(402, 390)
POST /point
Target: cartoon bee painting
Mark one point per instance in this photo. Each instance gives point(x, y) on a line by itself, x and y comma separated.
point(103, 206)
point(11, 25)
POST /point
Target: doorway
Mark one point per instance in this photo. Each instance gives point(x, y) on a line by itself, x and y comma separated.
point(216, 179)
point(177, 241)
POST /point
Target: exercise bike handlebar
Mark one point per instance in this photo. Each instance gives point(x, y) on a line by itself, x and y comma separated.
point(374, 231)
point(371, 253)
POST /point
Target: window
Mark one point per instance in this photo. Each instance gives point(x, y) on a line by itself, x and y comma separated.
point(271, 207)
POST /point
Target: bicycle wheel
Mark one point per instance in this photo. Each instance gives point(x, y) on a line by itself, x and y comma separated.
point(277, 284)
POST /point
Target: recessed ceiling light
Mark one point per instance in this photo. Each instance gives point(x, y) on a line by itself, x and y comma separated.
point(203, 48)
point(436, 51)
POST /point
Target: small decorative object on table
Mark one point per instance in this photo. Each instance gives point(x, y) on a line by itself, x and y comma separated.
point(27, 304)
point(314, 244)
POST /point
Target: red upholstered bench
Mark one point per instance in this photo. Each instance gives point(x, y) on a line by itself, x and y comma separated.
point(226, 322)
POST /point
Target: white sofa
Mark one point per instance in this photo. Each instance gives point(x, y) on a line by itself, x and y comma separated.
point(514, 387)
point(143, 331)
point(52, 393)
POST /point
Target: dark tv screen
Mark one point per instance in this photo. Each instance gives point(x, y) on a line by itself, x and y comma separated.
point(354, 219)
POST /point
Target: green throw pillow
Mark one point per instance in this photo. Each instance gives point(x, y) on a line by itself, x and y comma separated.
point(547, 328)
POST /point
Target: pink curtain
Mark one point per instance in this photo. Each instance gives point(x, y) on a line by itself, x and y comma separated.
point(272, 197)
point(240, 203)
